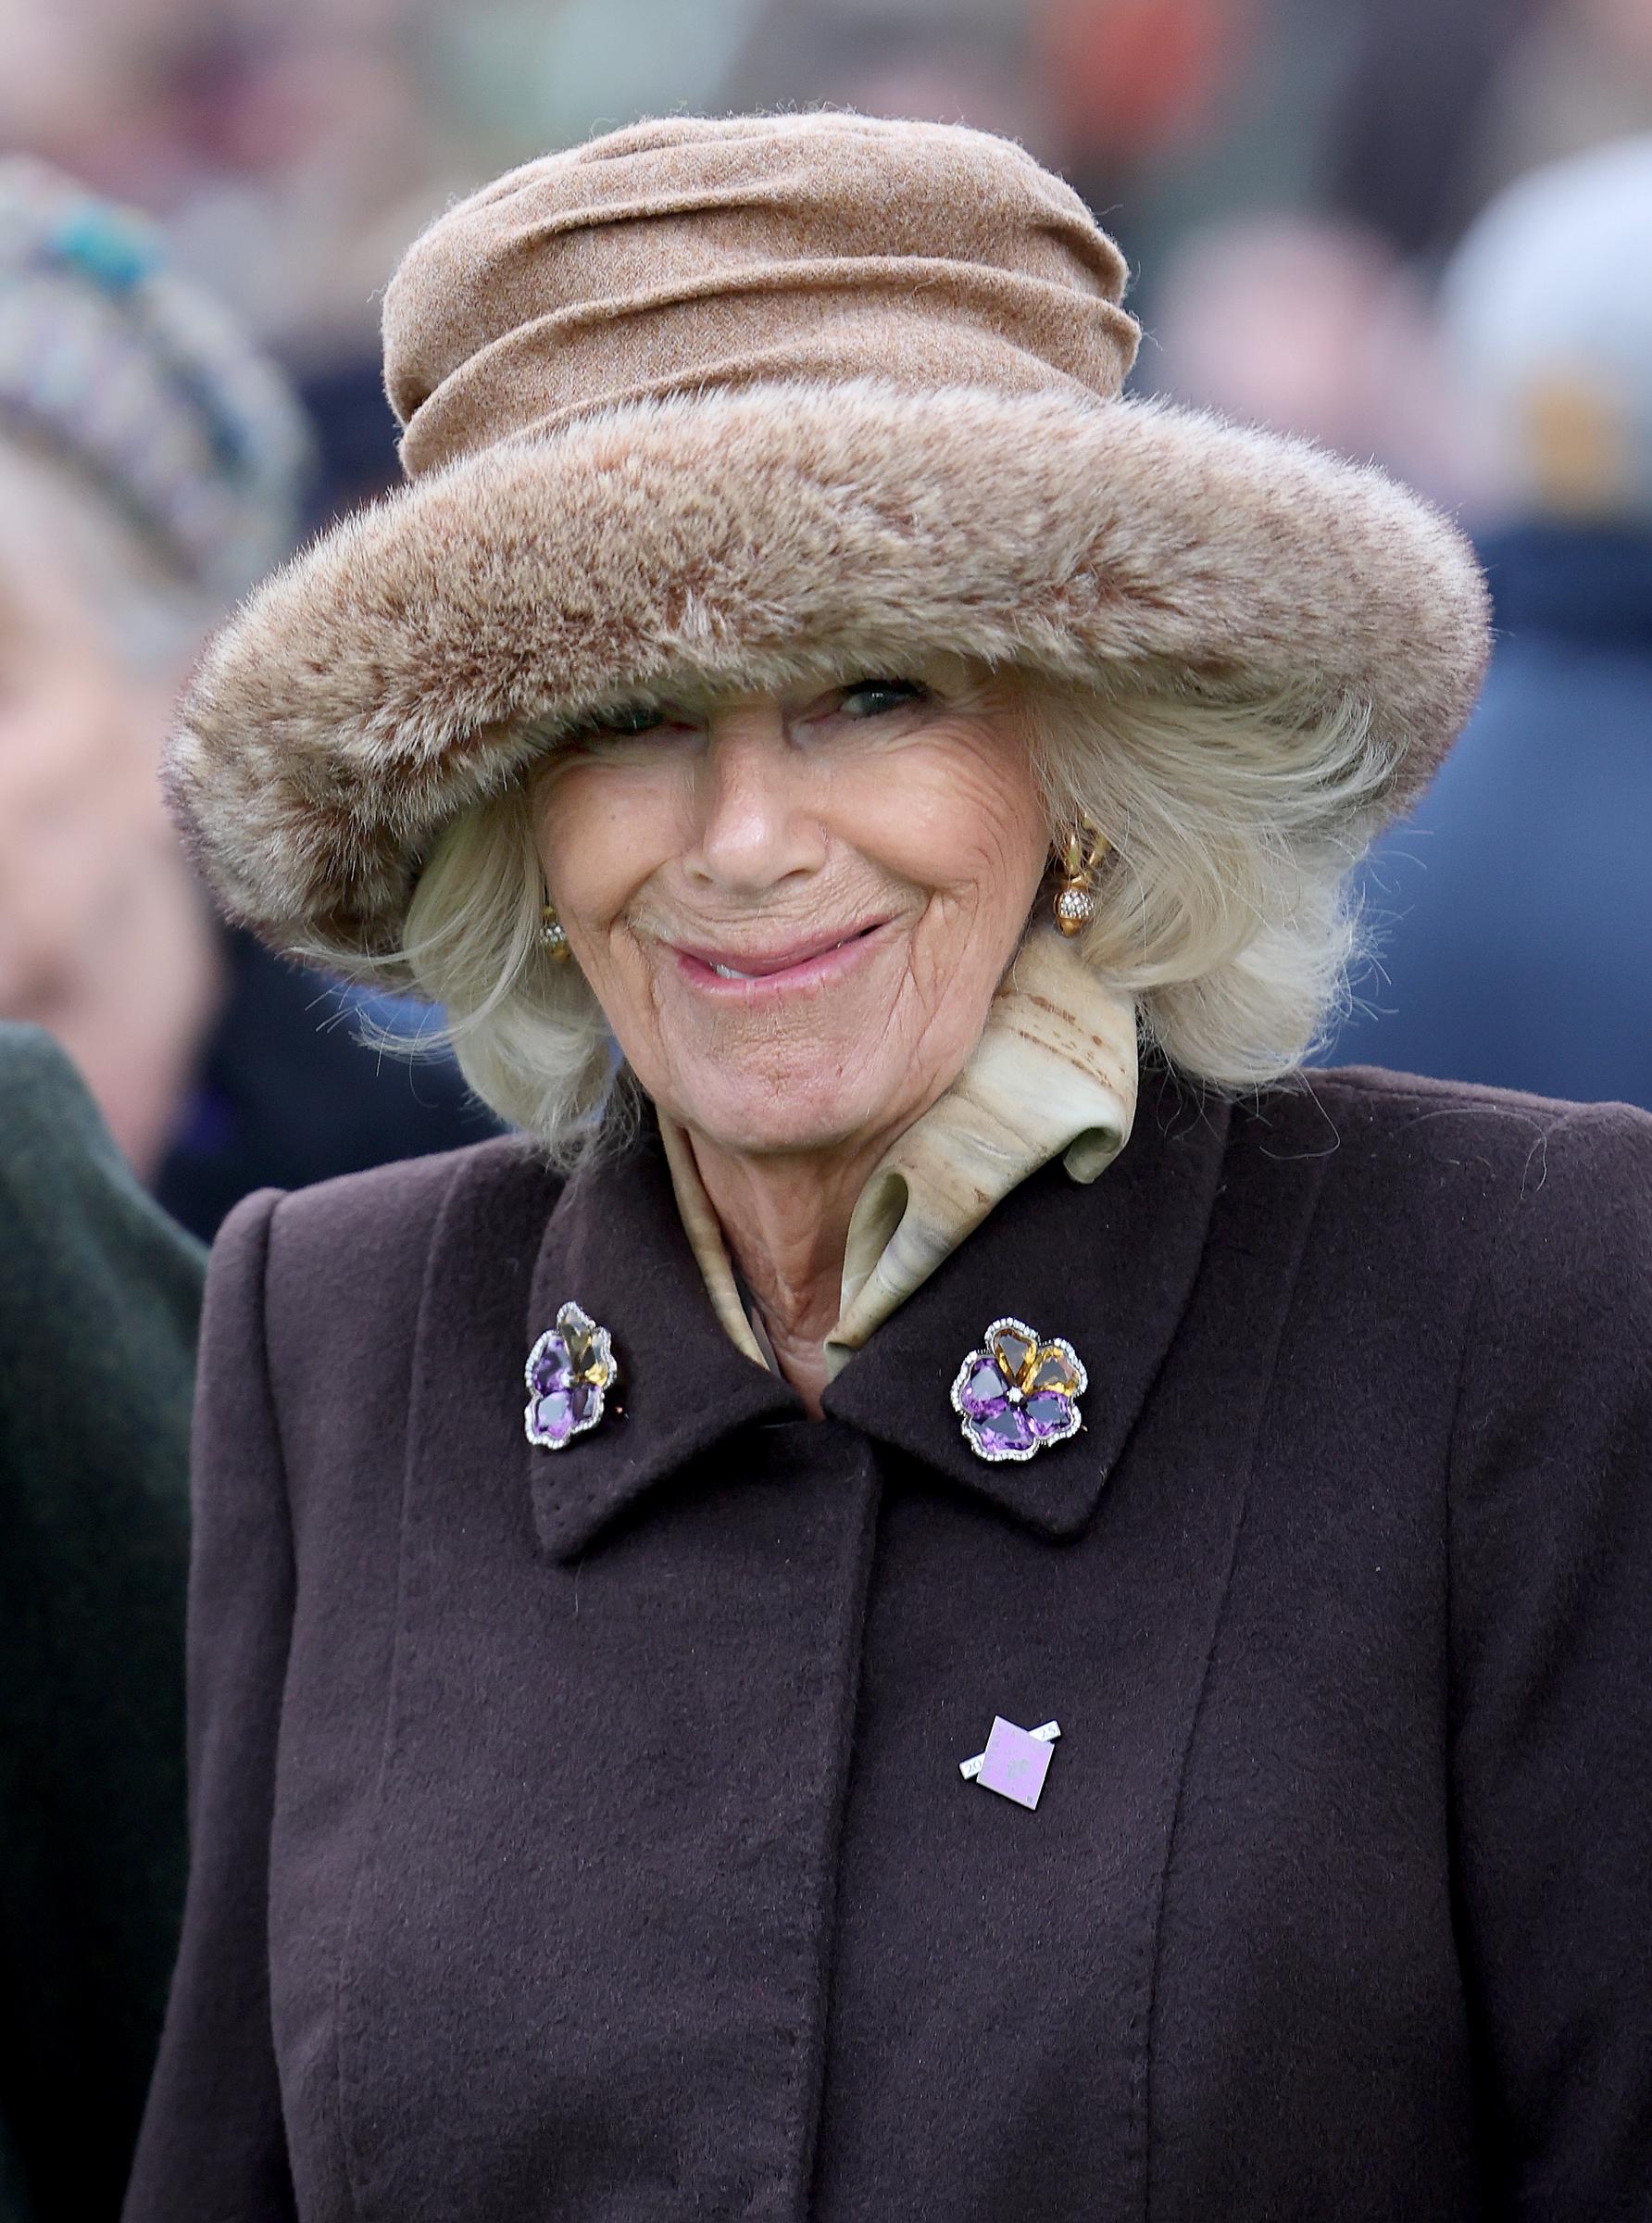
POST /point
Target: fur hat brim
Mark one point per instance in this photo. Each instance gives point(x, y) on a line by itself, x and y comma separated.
point(381, 682)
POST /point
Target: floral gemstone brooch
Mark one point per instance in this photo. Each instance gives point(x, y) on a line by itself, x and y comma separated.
point(570, 1369)
point(1018, 1394)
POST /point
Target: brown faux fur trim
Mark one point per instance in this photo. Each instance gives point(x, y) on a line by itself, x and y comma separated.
point(376, 686)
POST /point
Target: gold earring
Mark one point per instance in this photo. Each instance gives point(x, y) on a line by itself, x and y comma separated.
point(553, 934)
point(1074, 904)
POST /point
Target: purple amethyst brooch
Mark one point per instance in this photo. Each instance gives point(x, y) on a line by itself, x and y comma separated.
point(570, 1369)
point(1018, 1394)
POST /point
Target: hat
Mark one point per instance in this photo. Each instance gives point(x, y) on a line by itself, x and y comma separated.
point(138, 381)
point(722, 401)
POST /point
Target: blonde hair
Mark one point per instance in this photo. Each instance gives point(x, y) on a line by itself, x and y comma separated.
point(1223, 908)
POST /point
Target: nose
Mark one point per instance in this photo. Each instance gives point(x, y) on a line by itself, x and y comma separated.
point(753, 825)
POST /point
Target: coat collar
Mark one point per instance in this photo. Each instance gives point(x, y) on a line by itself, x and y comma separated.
point(1110, 1267)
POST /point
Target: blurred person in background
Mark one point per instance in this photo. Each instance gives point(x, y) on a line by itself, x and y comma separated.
point(1514, 907)
point(1417, 81)
point(99, 1297)
point(150, 467)
point(939, 59)
point(1569, 75)
point(1437, 109)
point(1308, 324)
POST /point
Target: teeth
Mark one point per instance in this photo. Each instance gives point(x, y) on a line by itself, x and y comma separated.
point(728, 971)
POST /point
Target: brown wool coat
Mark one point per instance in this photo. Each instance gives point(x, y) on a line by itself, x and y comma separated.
point(582, 1836)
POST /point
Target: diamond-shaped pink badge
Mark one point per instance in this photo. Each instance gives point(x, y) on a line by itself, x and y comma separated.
point(1015, 1763)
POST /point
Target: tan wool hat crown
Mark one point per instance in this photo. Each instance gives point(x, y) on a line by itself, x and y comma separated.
point(719, 401)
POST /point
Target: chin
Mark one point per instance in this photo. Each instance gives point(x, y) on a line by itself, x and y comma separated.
point(772, 1113)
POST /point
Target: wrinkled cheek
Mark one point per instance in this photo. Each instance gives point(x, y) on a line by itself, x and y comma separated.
point(632, 997)
point(66, 863)
point(602, 831)
point(976, 846)
point(1003, 872)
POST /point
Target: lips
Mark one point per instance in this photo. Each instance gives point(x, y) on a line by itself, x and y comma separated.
point(746, 966)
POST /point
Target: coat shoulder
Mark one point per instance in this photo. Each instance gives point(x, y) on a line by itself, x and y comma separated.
point(318, 1297)
point(1417, 1121)
point(1555, 1194)
point(349, 1257)
point(394, 1206)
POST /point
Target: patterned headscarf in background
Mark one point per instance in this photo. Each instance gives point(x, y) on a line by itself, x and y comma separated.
point(130, 373)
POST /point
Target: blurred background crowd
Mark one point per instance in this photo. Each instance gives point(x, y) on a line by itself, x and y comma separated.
point(1417, 231)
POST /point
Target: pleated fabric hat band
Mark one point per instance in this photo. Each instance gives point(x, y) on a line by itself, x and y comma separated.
point(688, 253)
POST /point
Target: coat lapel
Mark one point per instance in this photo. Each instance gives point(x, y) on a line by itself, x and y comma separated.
point(614, 1245)
point(1109, 1267)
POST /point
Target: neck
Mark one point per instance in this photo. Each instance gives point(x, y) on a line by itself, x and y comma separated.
point(829, 1243)
point(786, 1221)
point(137, 1018)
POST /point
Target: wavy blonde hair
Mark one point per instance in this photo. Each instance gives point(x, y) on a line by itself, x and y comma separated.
point(1223, 907)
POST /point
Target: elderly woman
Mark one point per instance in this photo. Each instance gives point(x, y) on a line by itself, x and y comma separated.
point(1044, 1638)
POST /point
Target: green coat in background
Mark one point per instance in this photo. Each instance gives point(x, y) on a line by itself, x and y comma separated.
point(99, 1295)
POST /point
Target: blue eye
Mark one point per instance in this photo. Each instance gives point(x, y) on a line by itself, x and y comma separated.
point(885, 695)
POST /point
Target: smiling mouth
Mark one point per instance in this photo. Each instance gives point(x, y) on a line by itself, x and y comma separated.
point(752, 968)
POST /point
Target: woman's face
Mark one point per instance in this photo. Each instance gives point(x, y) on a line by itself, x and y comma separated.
point(81, 821)
point(794, 907)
